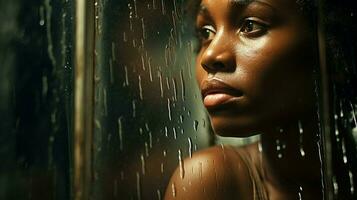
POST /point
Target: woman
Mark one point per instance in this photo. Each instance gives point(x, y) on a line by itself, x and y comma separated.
point(256, 68)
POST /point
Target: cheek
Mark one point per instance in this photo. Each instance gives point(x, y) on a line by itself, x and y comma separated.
point(276, 71)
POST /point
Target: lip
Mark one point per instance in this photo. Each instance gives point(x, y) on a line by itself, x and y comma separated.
point(215, 92)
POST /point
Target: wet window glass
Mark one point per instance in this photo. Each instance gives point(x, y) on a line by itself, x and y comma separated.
point(36, 42)
point(148, 116)
point(178, 99)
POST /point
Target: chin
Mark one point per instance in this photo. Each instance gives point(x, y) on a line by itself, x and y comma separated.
point(234, 127)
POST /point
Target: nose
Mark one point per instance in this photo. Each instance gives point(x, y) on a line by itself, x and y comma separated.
point(219, 56)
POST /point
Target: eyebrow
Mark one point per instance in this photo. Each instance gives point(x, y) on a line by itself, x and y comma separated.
point(204, 11)
point(241, 2)
point(247, 2)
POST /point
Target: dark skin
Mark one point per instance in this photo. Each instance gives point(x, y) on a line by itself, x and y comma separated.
point(255, 71)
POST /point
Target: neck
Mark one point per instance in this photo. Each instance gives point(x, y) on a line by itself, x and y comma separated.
point(290, 154)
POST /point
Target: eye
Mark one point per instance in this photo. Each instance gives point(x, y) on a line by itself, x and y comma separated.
point(253, 28)
point(206, 33)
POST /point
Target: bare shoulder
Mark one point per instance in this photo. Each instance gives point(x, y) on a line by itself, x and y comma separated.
point(213, 173)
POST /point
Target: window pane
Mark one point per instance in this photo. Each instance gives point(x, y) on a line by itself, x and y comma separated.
point(149, 114)
point(243, 99)
point(148, 111)
point(36, 98)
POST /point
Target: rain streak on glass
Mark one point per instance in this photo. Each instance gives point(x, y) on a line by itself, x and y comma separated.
point(146, 99)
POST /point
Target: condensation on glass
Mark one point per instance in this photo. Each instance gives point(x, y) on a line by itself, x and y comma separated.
point(36, 46)
point(148, 114)
point(147, 109)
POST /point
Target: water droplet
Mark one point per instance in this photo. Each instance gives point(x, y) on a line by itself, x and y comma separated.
point(182, 82)
point(166, 131)
point(175, 133)
point(42, 16)
point(146, 149)
point(150, 70)
point(174, 84)
point(352, 187)
point(143, 62)
point(284, 146)
point(163, 10)
point(169, 109)
point(300, 127)
point(181, 164)
point(134, 43)
point(300, 193)
point(353, 114)
point(126, 82)
point(161, 85)
point(190, 147)
point(147, 127)
point(120, 131)
point(124, 37)
point(337, 132)
point(223, 151)
point(279, 149)
point(204, 123)
point(167, 83)
point(195, 125)
point(97, 124)
point(140, 88)
point(113, 52)
point(162, 168)
point(44, 86)
point(200, 167)
point(133, 102)
point(143, 28)
point(158, 194)
point(181, 119)
point(143, 168)
point(150, 140)
point(301, 134)
point(260, 148)
point(48, 18)
point(153, 4)
point(302, 152)
point(335, 185)
point(173, 189)
point(281, 130)
point(135, 9)
point(344, 151)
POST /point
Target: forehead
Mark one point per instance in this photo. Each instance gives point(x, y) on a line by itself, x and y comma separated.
point(277, 5)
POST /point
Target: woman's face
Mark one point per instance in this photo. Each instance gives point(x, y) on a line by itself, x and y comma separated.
point(255, 64)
